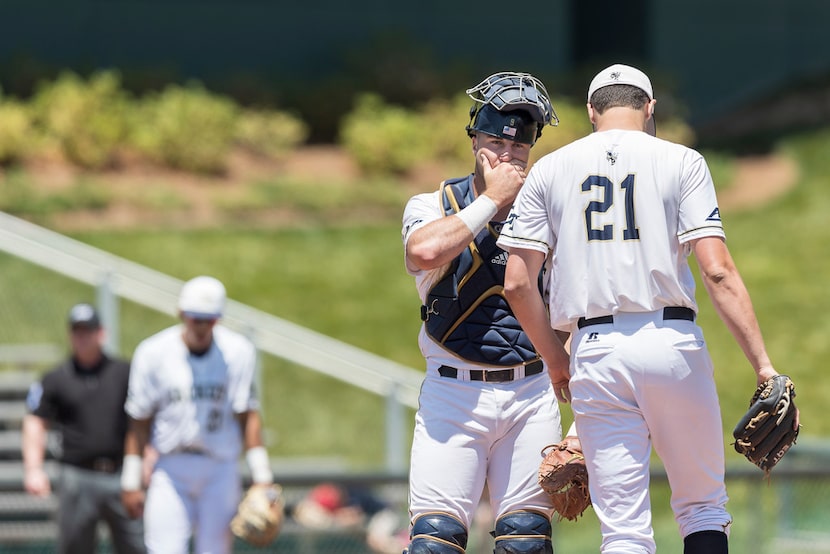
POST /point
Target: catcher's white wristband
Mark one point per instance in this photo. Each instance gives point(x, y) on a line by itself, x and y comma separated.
point(260, 466)
point(131, 473)
point(478, 214)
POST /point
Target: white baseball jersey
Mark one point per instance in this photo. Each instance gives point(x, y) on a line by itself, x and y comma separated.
point(624, 191)
point(193, 399)
point(420, 210)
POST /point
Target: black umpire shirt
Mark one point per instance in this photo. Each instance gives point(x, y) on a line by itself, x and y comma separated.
point(87, 405)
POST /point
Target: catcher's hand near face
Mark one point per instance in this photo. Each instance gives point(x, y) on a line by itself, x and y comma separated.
point(770, 426)
point(564, 477)
point(503, 178)
point(260, 515)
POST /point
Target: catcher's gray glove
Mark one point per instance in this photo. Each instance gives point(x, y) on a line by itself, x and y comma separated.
point(259, 518)
point(767, 430)
point(563, 476)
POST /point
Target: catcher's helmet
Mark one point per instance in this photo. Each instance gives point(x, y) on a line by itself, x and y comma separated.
point(511, 105)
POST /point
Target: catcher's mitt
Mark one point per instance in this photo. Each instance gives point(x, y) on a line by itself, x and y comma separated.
point(765, 433)
point(563, 476)
point(259, 518)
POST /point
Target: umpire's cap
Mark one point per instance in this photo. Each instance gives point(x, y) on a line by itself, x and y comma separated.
point(84, 315)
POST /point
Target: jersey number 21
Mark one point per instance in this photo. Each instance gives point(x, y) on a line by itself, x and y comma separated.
point(602, 206)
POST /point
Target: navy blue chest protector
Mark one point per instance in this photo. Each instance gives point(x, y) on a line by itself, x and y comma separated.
point(466, 311)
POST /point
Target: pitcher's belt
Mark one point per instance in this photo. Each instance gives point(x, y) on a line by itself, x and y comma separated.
point(669, 312)
point(495, 375)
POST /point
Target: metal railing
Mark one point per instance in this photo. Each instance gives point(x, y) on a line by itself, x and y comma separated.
point(116, 277)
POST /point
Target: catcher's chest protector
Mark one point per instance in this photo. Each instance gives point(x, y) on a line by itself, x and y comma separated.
point(466, 311)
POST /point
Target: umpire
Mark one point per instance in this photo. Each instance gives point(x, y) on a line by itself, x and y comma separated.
point(84, 398)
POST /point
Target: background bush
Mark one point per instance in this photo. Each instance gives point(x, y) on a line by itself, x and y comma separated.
point(86, 120)
point(269, 133)
point(93, 123)
point(185, 128)
point(384, 138)
point(15, 128)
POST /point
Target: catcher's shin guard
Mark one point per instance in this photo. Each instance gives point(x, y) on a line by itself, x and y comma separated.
point(523, 532)
point(706, 542)
point(437, 533)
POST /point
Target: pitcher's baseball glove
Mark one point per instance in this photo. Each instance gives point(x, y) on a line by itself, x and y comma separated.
point(259, 518)
point(563, 476)
point(766, 432)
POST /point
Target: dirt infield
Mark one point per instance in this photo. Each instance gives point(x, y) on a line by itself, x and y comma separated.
point(758, 181)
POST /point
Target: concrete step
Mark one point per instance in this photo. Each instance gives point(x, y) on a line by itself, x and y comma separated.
point(11, 414)
point(10, 442)
point(20, 532)
point(14, 385)
point(21, 506)
point(11, 474)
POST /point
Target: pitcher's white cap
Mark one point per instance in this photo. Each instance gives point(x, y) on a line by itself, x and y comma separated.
point(202, 298)
point(619, 74)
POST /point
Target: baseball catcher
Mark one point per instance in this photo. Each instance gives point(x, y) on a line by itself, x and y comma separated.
point(260, 515)
point(563, 476)
point(769, 428)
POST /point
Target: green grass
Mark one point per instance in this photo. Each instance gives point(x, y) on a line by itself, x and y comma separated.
point(20, 194)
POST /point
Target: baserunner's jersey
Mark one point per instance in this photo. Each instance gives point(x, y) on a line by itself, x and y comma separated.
point(192, 399)
point(620, 207)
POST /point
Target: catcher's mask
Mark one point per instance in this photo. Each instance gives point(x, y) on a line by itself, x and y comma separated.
point(513, 106)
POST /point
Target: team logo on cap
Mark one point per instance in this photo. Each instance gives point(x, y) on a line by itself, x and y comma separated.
point(615, 75)
point(510, 128)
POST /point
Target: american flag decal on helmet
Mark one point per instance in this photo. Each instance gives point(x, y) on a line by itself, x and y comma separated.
point(509, 131)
